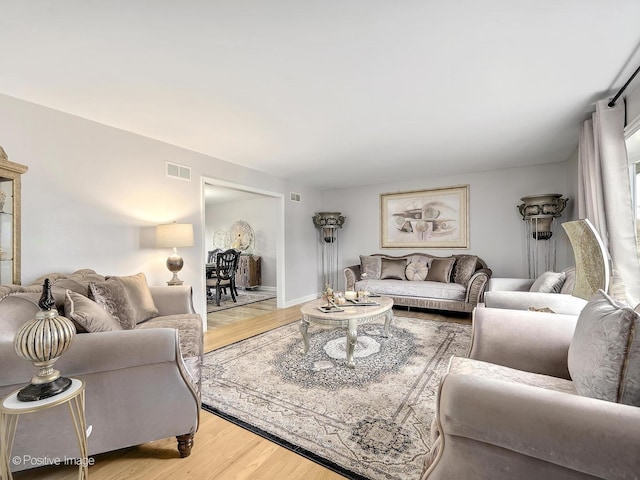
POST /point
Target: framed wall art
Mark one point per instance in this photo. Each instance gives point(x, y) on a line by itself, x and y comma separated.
point(434, 218)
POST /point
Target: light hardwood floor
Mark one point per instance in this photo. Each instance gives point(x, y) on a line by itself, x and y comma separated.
point(221, 449)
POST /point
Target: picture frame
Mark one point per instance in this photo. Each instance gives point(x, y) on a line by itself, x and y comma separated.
point(433, 218)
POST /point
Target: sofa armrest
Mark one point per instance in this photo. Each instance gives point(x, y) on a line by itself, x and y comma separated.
point(98, 352)
point(351, 276)
point(535, 342)
point(558, 302)
point(510, 284)
point(477, 285)
point(173, 300)
point(552, 431)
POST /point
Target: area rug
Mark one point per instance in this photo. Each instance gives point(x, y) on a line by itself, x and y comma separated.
point(244, 297)
point(371, 422)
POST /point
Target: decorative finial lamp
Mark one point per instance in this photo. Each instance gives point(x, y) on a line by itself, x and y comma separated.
point(174, 235)
point(42, 341)
point(539, 213)
point(328, 224)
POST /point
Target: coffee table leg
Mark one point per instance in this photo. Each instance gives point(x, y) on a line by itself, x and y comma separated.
point(352, 340)
point(387, 322)
point(304, 325)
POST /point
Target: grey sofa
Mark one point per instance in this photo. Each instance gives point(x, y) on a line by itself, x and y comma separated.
point(538, 398)
point(455, 283)
point(142, 384)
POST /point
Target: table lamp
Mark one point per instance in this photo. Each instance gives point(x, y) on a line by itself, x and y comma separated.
point(174, 235)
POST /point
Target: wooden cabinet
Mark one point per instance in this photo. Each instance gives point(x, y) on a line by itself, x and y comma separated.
point(10, 220)
point(248, 274)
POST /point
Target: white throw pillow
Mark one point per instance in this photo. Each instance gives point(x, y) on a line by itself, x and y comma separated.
point(416, 271)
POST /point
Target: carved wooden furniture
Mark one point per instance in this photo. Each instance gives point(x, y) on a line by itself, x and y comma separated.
point(249, 271)
point(10, 174)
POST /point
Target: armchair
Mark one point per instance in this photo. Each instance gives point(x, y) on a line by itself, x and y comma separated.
point(573, 286)
point(519, 406)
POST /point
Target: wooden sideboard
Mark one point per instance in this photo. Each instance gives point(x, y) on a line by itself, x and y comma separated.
point(248, 274)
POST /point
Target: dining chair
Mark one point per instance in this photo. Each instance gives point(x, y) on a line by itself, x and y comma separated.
point(226, 264)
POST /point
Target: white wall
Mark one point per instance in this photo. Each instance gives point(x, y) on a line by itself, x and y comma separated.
point(496, 227)
point(93, 195)
point(261, 213)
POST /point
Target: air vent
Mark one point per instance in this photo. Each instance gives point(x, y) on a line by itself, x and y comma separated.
point(295, 197)
point(178, 171)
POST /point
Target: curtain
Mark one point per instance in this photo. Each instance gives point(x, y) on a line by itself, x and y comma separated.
point(604, 191)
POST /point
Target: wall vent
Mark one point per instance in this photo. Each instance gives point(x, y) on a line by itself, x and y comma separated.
point(295, 197)
point(178, 171)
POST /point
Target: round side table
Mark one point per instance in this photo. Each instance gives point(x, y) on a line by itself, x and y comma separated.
point(11, 408)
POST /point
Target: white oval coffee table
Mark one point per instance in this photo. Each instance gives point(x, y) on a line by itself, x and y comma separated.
point(350, 317)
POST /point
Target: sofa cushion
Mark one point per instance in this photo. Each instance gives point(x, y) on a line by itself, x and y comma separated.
point(464, 268)
point(416, 271)
point(139, 296)
point(440, 269)
point(604, 354)
point(469, 366)
point(393, 269)
point(87, 315)
point(371, 265)
point(419, 289)
point(548, 282)
point(112, 296)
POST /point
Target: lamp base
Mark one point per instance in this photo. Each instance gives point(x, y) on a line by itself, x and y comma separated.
point(33, 392)
point(175, 280)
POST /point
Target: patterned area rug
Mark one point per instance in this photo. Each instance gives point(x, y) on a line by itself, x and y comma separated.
point(244, 297)
point(370, 422)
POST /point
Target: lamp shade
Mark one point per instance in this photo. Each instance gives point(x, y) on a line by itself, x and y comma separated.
point(173, 235)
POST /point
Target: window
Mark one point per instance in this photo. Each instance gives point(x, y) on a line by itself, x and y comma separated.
point(633, 153)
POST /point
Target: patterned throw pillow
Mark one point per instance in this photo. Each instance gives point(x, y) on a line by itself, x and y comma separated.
point(371, 265)
point(88, 315)
point(440, 270)
point(464, 268)
point(112, 296)
point(604, 355)
point(548, 282)
point(393, 269)
point(416, 271)
point(139, 296)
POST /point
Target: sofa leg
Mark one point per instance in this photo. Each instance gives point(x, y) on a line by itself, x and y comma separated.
point(185, 442)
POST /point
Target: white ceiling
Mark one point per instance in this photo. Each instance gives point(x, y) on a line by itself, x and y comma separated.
point(329, 92)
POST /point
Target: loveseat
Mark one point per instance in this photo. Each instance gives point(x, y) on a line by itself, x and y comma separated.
point(550, 291)
point(454, 283)
point(542, 396)
point(139, 353)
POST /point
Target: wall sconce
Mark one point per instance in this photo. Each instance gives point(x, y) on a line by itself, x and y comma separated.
point(174, 235)
point(539, 213)
point(328, 224)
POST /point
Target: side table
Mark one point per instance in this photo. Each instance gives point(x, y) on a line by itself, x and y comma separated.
point(11, 409)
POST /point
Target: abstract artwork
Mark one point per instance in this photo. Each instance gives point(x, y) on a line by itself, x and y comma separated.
point(434, 218)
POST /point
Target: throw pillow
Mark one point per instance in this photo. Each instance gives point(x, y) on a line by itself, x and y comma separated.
point(88, 315)
point(139, 296)
point(393, 269)
point(112, 296)
point(440, 270)
point(464, 268)
point(604, 354)
point(416, 271)
point(548, 282)
point(371, 265)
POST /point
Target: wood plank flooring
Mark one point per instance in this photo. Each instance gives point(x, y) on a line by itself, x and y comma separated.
point(221, 449)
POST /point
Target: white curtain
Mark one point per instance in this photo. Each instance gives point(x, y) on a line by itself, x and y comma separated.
point(604, 191)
